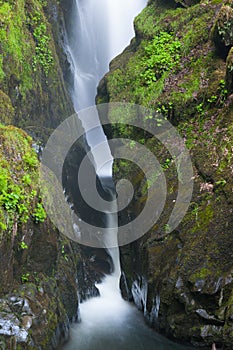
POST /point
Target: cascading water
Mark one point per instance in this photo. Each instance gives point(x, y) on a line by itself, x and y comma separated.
point(97, 31)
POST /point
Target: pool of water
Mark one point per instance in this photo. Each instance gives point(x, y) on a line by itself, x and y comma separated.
point(110, 323)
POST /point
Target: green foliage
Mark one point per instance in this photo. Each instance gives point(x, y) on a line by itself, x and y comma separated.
point(221, 182)
point(200, 109)
point(222, 90)
point(65, 256)
point(143, 78)
point(23, 245)
point(166, 164)
point(161, 55)
point(25, 44)
point(39, 213)
point(26, 179)
point(18, 178)
point(30, 159)
point(16, 44)
point(43, 55)
point(25, 277)
point(13, 198)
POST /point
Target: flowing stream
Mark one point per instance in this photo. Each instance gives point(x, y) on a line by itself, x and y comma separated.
point(96, 32)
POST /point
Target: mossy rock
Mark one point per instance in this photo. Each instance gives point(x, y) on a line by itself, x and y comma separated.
point(190, 268)
point(6, 109)
point(222, 32)
point(30, 71)
point(187, 3)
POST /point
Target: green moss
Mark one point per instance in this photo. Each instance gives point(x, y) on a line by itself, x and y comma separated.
point(202, 274)
point(16, 43)
point(30, 73)
point(18, 177)
point(161, 56)
point(195, 96)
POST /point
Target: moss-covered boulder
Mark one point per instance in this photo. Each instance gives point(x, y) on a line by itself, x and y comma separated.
point(187, 3)
point(222, 31)
point(39, 267)
point(30, 70)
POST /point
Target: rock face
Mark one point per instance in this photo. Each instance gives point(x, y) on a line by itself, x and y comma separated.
point(182, 281)
point(42, 273)
point(33, 91)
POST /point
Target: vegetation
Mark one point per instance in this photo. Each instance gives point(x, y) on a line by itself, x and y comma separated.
point(32, 90)
point(195, 95)
point(43, 54)
point(18, 180)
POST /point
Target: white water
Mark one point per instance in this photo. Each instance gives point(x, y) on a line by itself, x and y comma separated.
point(99, 30)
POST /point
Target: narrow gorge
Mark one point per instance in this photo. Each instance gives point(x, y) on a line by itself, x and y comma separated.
point(167, 289)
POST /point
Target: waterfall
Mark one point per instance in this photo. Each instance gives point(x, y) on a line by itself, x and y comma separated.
point(96, 32)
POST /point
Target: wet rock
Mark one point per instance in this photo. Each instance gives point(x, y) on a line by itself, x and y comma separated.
point(10, 326)
point(210, 331)
point(139, 293)
point(27, 322)
point(125, 290)
point(204, 314)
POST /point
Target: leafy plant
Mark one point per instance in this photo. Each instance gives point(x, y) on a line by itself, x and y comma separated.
point(30, 158)
point(26, 179)
point(39, 213)
point(221, 182)
point(64, 253)
point(166, 164)
point(43, 55)
point(222, 91)
point(25, 277)
point(162, 54)
point(23, 245)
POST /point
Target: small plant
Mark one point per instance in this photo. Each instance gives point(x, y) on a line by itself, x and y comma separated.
point(26, 179)
point(195, 209)
point(132, 144)
point(64, 253)
point(166, 164)
point(167, 228)
point(30, 159)
point(165, 109)
point(43, 54)
point(222, 91)
point(14, 202)
point(25, 277)
point(162, 54)
point(221, 182)
point(23, 245)
point(39, 213)
point(212, 99)
point(200, 109)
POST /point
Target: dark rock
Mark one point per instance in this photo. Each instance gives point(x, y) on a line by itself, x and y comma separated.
point(222, 32)
point(229, 71)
